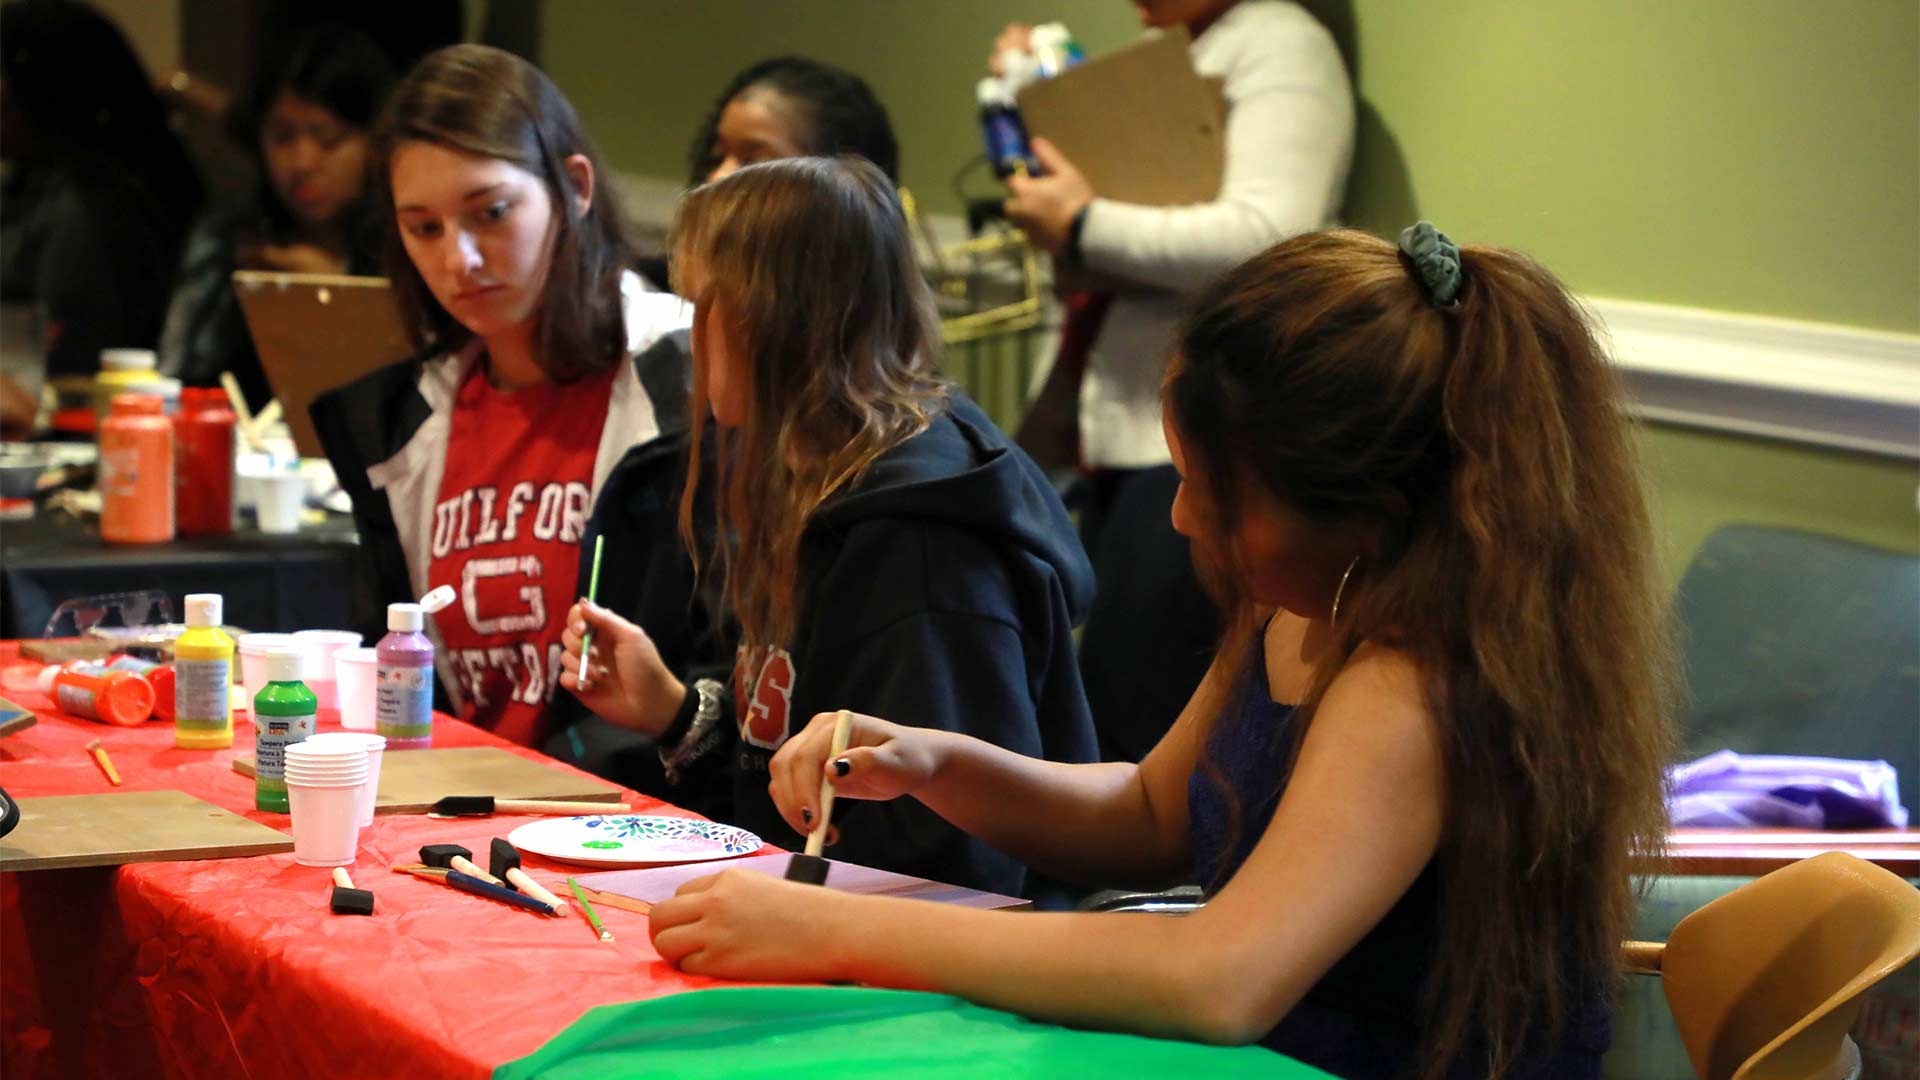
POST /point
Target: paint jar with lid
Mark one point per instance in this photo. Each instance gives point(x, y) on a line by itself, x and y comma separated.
point(136, 472)
point(203, 462)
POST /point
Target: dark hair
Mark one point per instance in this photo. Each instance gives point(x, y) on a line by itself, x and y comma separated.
point(816, 269)
point(337, 68)
point(89, 103)
point(489, 102)
point(1485, 445)
point(843, 115)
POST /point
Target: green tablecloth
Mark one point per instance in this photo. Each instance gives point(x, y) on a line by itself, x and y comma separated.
point(782, 1032)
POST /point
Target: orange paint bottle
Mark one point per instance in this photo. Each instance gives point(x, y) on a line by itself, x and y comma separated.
point(136, 472)
point(114, 697)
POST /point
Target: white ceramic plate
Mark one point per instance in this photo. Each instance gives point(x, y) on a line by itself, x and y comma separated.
point(632, 839)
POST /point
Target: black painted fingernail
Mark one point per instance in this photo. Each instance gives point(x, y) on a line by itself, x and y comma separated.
point(841, 767)
point(806, 815)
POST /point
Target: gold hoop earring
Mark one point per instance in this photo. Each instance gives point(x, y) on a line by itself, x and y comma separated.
point(1334, 618)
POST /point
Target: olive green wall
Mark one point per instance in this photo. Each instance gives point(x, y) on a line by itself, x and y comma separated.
point(1742, 155)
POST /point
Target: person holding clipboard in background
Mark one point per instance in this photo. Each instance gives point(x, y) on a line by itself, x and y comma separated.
point(545, 368)
point(1289, 141)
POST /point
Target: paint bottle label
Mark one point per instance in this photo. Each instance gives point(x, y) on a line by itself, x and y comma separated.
point(77, 700)
point(272, 736)
point(403, 702)
point(200, 694)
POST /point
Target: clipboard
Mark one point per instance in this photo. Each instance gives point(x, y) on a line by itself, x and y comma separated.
point(1139, 122)
point(318, 331)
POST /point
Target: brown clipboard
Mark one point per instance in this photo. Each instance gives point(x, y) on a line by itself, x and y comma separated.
point(1139, 123)
point(318, 331)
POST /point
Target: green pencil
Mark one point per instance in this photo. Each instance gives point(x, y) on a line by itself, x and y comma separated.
point(593, 917)
point(593, 593)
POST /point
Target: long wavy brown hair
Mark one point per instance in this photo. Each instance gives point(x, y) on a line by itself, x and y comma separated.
point(1485, 442)
point(480, 100)
point(816, 269)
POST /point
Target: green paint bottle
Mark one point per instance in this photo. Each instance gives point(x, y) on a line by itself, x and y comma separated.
point(283, 714)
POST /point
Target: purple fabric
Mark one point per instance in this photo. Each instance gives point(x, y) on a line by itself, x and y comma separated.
point(1729, 790)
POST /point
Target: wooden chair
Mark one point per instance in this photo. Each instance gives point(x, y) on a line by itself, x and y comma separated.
point(1765, 981)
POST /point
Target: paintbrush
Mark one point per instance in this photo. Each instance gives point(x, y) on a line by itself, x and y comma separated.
point(809, 867)
point(470, 884)
point(482, 805)
point(586, 639)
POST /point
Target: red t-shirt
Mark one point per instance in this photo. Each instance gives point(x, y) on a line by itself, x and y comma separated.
point(506, 535)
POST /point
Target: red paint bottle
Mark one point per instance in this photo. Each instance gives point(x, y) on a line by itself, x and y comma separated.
point(203, 474)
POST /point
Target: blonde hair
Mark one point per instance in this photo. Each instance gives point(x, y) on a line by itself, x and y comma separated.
point(815, 266)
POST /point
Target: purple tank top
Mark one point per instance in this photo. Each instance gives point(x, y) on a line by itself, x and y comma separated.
point(1363, 1019)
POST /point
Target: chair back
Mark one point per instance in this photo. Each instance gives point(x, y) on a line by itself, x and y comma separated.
point(1797, 643)
point(1765, 981)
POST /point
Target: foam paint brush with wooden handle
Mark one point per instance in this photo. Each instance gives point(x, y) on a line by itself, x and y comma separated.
point(809, 867)
point(482, 805)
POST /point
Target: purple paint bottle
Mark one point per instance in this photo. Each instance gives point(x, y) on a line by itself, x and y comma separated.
point(403, 695)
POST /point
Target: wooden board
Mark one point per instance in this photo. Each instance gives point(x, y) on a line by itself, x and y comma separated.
point(318, 331)
point(657, 883)
point(1751, 853)
point(413, 780)
point(61, 650)
point(1139, 122)
point(120, 827)
point(16, 722)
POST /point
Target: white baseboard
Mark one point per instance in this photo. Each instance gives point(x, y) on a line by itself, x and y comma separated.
point(1813, 383)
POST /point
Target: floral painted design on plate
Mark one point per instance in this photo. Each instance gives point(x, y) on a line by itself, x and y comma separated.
point(632, 839)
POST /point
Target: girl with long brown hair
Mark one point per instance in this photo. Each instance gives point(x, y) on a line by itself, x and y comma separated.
point(547, 373)
point(1416, 775)
point(879, 543)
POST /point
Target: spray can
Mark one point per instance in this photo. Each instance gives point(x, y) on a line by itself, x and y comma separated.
point(284, 713)
point(111, 697)
point(202, 674)
point(403, 680)
point(136, 472)
point(1002, 130)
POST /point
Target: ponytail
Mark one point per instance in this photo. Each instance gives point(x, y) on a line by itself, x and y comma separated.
point(1477, 430)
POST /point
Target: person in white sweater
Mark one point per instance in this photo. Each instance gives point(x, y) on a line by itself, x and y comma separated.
point(1289, 142)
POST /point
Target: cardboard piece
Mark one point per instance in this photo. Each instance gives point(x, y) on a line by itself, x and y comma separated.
point(1139, 123)
point(318, 331)
point(120, 827)
point(657, 883)
point(14, 718)
point(61, 650)
point(413, 780)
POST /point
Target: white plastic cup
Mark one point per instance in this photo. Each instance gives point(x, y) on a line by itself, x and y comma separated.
point(281, 497)
point(322, 673)
point(355, 669)
point(253, 660)
point(374, 747)
point(323, 793)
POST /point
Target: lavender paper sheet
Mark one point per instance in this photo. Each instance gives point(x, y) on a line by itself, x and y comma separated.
point(655, 884)
point(1729, 790)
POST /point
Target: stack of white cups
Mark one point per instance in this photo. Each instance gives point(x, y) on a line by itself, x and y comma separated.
point(324, 781)
point(375, 747)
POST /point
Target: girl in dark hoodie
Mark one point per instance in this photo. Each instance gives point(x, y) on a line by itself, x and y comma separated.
point(879, 543)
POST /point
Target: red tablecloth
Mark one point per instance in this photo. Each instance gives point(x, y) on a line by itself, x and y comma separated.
point(235, 967)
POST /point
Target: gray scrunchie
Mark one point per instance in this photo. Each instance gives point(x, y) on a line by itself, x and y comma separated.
point(1436, 259)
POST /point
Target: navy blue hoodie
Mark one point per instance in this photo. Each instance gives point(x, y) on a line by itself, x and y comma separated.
point(941, 592)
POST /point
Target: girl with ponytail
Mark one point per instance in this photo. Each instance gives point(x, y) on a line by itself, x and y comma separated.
point(1416, 777)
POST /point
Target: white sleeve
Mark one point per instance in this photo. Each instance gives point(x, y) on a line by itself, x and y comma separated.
point(1289, 141)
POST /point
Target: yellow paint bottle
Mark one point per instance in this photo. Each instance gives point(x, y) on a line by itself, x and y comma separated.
point(203, 670)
